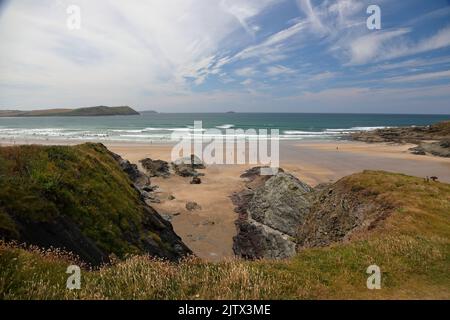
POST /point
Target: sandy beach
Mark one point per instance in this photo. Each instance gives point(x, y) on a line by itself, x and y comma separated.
point(209, 231)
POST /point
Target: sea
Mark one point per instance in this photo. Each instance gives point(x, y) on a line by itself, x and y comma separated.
point(160, 127)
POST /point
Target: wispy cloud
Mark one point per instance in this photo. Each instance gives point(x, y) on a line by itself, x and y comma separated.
point(421, 77)
point(279, 70)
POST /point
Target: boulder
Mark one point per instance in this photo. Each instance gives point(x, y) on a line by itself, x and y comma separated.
point(196, 180)
point(418, 151)
point(281, 203)
point(255, 240)
point(190, 206)
point(193, 161)
point(156, 168)
point(185, 170)
point(270, 212)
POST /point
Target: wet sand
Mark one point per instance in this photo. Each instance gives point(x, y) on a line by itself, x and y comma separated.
point(209, 231)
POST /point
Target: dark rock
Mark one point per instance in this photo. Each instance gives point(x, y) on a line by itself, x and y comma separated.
point(139, 179)
point(184, 170)
point(417, 150)
point(151, 188)
point(255, 240)
point(196, 180)
point(190, 206)
point(65, 234)
point(156, 168)
point(193, 161)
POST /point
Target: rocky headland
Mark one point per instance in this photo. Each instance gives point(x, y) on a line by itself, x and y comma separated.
point(433, 139)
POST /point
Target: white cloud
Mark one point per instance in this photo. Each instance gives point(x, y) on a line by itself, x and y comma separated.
point(437, 41)
point(245, 72)
point(279, 70)
point(243, 10)
point(369, 47)
point(247, 82)
point(271, 49)
point(323, 76)
point(312, 16)
point(387, 45)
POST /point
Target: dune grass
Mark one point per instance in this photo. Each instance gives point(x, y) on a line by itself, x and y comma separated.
point(412, 248)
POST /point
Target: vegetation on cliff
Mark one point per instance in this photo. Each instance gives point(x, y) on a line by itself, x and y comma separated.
point(78, 198)
point(411, 246)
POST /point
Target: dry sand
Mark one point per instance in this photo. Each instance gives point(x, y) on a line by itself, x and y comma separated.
point(209, 231)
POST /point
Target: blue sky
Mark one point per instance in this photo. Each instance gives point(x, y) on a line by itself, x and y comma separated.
point(220, 55)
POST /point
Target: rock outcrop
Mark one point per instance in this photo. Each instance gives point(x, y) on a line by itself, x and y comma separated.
point(193, 161)
point(414, 134)
point(139, 179)
point(156, 168)
point(439, 149)
point(279, 215)
point(185, 170)
point(439, 133)
point(339, 212)
point(191, 206)
point(270, 210)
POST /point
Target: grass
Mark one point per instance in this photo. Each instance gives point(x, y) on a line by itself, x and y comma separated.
point(412, 248)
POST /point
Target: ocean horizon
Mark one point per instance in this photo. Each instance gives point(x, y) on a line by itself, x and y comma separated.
point(153, 127)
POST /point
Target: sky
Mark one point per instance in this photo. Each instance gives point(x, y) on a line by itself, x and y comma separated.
point(227, 55)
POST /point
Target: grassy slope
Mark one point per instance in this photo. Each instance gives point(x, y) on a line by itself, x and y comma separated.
point(40, 183)
point(412, 248)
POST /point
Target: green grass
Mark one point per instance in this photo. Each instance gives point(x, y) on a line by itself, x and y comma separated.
point(84, 183)
point(412, 248)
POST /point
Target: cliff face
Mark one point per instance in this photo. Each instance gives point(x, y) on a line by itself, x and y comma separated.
point(83, 199)
point(279, 215)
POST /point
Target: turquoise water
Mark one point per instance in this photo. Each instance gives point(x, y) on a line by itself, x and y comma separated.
point(160, 126)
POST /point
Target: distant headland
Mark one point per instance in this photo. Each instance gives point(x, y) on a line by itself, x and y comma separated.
point(79, 112)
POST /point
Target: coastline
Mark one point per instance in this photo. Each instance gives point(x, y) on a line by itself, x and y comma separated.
point(209, 231)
